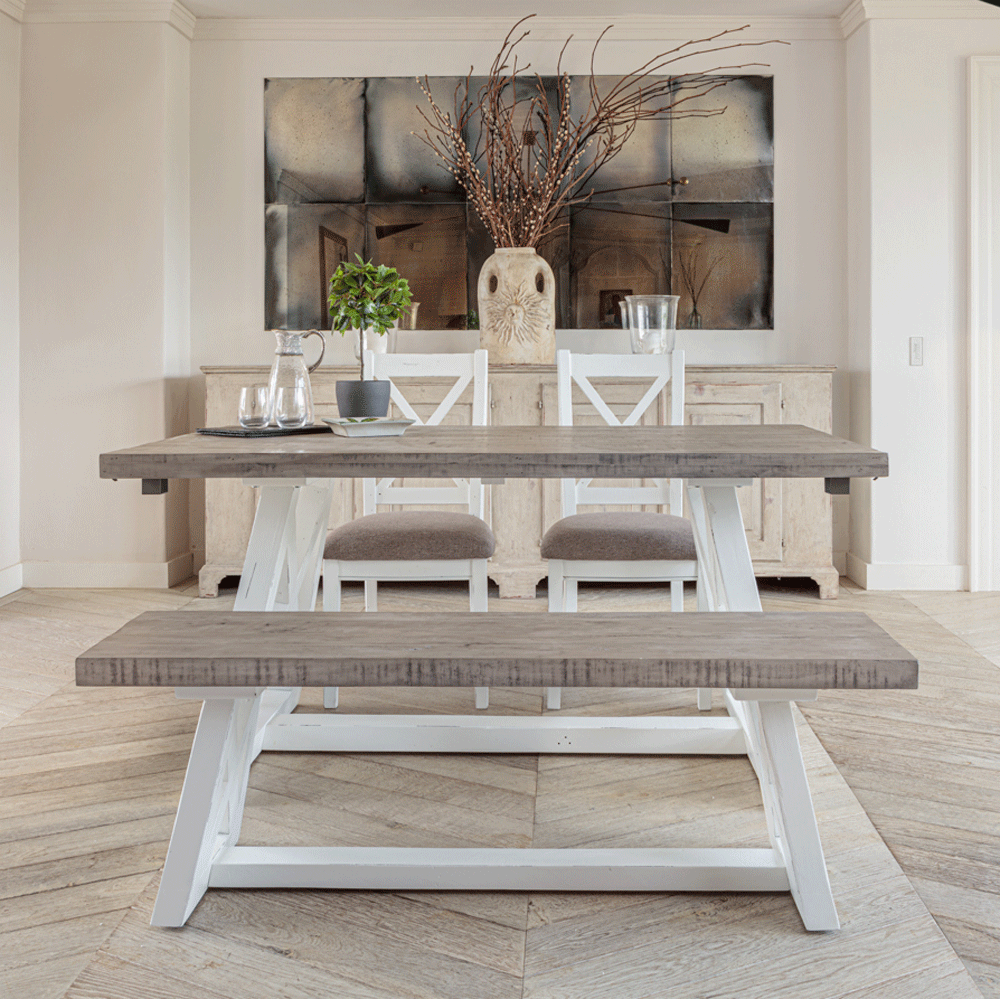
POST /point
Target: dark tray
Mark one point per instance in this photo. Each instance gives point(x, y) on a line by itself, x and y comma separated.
point(261, 431)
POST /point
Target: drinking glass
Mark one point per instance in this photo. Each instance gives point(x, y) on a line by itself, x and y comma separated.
point(254, 410)
point(652, 323)
point(290, 406)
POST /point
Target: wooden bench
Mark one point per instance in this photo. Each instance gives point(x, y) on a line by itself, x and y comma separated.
point(247, 667)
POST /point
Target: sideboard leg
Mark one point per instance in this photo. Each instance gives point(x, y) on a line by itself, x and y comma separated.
point(828, 581)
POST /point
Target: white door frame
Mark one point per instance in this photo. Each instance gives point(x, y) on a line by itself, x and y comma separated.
point(984, 322)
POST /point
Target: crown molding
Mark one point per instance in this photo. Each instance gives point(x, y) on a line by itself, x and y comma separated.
point(433, 29)
point(853, 17)
point(860, 11)
point(13, 8)
point(171, 12)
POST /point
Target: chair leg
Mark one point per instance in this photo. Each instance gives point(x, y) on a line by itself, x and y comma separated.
point(478, 587)
point(331, 587)
point(704, 699)
point(371, 594)
point(555, 586)
point(677, 595)
point(478, 603)
point(331, 602)
point(701, 592)
point(569, 604)
point(557, 604)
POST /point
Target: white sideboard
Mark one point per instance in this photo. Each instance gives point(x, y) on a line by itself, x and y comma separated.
point(788, 521)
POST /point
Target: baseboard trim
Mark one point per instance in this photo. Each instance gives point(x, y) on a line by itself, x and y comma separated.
point(840, 562)
point(11, 579)
point(906, 575)
point(107, 575)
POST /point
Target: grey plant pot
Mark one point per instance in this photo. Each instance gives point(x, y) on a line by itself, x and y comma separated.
point(367, 398)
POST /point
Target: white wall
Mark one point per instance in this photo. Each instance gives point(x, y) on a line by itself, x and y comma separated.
point(10, 449)
point(228, 190)
point(917, 285)
point(870, 249)
point(104, 301)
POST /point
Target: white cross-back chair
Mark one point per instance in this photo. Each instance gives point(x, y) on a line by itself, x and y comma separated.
point(417, 544)
point(627, 546)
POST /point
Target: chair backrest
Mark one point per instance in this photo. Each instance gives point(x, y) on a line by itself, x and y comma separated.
point(661, 370)
point(463, 369)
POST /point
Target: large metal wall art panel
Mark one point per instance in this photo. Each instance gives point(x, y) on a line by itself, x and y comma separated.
point(685, 209)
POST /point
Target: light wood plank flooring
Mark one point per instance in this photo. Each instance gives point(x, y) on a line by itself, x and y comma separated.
point(89, 781)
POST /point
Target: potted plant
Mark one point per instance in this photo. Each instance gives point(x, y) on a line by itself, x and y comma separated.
point(368, 298)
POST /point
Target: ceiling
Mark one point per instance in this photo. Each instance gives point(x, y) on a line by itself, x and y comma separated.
point(740, 9)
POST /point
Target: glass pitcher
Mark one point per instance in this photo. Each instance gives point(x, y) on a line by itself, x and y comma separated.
point(651, 321)
point(289, 369)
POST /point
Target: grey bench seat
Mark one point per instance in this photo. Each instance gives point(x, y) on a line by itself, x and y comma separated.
point(257, 649)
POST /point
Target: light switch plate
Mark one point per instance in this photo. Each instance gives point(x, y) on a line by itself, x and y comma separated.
point(916, 350)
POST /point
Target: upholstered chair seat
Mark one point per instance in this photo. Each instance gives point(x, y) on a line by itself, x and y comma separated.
point(621, 537)
point(411, 535)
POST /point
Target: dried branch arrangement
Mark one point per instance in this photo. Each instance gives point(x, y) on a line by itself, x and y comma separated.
point(694, 274)
point(523, 161)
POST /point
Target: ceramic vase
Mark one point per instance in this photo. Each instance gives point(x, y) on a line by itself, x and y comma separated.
point(517, 308)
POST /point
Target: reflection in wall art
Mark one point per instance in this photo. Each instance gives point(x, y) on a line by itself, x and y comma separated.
point(686, 209)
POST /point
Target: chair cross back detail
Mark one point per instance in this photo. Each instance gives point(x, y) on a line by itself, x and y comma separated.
point(663, 369)
point(465, 369)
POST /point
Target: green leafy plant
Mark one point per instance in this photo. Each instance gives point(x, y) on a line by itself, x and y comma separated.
point(365, 296)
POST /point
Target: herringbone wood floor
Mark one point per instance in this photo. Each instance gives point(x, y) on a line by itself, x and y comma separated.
point(89, 781)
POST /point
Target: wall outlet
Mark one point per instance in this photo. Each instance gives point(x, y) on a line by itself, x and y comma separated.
point(916, 350)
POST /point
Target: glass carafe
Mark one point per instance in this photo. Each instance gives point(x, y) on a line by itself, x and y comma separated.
point(652, 322)
point(289, 369)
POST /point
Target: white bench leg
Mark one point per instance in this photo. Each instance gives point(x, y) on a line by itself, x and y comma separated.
point(211, 806)
point(788, 803)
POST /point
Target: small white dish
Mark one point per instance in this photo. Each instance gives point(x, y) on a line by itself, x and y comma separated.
point(370, 427)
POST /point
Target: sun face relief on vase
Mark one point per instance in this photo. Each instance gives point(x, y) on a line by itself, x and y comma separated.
point(517, 307)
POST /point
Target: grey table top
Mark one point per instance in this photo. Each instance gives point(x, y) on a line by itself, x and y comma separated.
point(769, 451)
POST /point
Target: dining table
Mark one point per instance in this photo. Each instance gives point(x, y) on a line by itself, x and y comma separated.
point(295, 476)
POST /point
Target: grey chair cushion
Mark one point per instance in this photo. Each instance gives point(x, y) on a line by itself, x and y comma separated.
point(410, 535)
point(621, 537)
